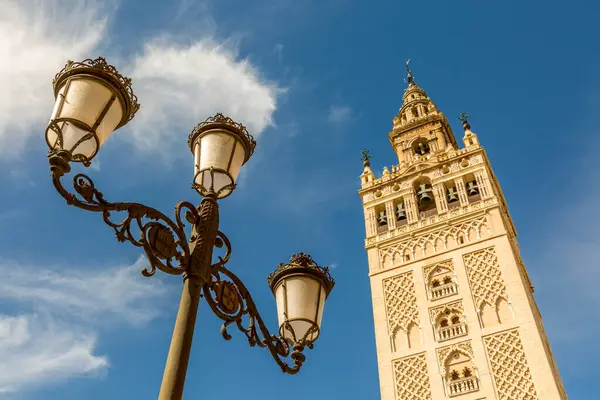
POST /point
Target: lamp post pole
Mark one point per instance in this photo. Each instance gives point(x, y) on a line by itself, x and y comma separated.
point(205, 232)
point(92, 100)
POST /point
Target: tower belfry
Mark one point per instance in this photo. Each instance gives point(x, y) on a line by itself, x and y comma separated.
point(453, 305)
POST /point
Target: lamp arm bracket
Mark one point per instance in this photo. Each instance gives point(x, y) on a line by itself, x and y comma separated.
point(231, 301)
point(164, 241)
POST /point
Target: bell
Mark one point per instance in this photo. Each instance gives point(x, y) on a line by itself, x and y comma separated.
point(472, 188)
point(452, 195)
point(382, 219)
point(422, 149)
point(424, 194)
point(400, 214)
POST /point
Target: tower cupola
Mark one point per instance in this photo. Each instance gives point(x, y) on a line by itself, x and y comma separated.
point(419, 129)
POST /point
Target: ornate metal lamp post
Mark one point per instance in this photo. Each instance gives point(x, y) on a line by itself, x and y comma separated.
point(92, 100)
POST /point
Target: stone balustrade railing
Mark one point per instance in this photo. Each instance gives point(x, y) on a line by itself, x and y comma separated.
point(447, 289)
point(462, 386)
point(452, 331)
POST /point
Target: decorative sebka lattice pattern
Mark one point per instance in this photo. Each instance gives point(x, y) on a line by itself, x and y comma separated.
point(412, 378)
point(485, 277)
point(509, 366)
point(400, 302)
point(437, 240)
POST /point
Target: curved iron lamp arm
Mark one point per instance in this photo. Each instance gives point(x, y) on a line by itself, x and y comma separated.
point(231, 301)
point(164, 241)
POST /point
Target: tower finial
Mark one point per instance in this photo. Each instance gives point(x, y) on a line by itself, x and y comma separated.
point(366, 157)
point(410, 79)
point(464, 117)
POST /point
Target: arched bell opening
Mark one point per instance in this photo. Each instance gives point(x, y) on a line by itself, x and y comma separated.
point(382, 218)
point(472, 188)
point(400, 212)
point(451, 195)
point(421, 148)
point(425, 197)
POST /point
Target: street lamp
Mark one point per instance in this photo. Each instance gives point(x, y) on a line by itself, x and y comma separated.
point(92, 100)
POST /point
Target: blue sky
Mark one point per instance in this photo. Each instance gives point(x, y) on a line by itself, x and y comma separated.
point(316, 82)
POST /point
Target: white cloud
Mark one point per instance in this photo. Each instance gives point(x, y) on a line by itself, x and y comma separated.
point(75, 292)
point(36, 40)
point(181, 85)
point(178, 85)
point(339, 114)
point(35, 351)
point(60, 311)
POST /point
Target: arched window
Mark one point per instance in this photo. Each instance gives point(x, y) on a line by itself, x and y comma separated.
point(450, 325)
point(460, 377)
point(440, 283)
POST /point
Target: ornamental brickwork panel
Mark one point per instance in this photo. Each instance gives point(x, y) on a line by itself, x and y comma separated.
point(485, 277)
point(509, 366)
point(434, 242)
point(412, 378)
point(400, 302)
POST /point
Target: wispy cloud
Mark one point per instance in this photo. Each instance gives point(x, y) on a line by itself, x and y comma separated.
point(339, 114)
point(60, 312)
point(36, 350)
point(36, 39)
point(180, 85)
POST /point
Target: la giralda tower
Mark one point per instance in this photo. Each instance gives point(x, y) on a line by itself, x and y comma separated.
point(453, 305)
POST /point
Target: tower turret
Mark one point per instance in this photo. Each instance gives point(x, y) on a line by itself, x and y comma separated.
point(419, 129)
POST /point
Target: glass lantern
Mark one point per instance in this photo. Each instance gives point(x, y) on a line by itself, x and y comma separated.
point(220, 147)
point(300, 289)
point(92, 100)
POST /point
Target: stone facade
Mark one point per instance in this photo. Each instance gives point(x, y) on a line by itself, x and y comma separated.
point(453, 305)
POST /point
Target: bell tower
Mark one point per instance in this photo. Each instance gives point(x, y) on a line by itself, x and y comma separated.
point(453, 305)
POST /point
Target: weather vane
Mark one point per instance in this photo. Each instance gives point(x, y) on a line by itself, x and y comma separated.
point(464, 117)
point(366, 157)
point(409, 76)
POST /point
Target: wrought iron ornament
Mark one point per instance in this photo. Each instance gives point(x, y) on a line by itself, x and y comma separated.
point(166, 246)
point(164, 239)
